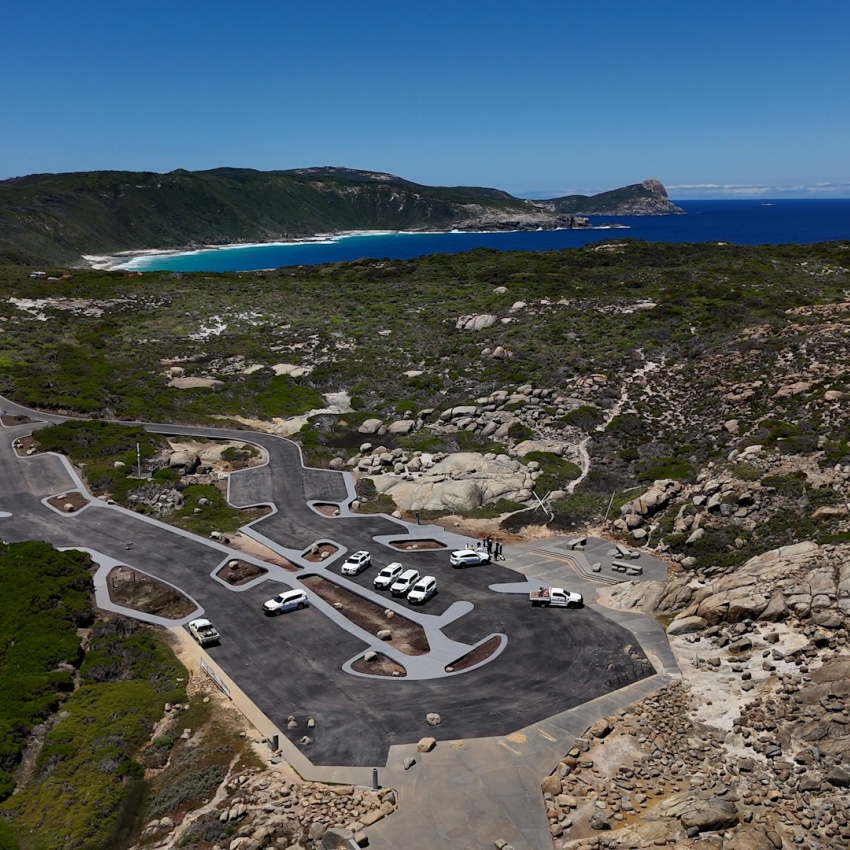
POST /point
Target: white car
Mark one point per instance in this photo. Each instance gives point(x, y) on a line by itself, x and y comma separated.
point(289, 600)
point(388, 575)
point(402, 585)
point(356, 563)
point(423, 590)
point(469, 558)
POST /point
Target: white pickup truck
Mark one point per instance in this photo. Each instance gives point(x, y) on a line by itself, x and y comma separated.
point(557, 596)
point(204, 632)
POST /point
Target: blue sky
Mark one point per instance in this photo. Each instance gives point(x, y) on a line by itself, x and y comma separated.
point(721, 99)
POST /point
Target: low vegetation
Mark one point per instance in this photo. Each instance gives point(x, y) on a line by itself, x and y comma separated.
point(106, 453)
point(86, 772)
point(45, 600)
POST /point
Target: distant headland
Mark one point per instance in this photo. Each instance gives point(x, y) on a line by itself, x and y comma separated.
point(60, 217)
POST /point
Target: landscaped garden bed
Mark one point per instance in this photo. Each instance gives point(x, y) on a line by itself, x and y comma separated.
point(68, 502)
point(141, 592)
point(414, 545)
point(380, 665)
point(406, 636)
point(319, 552)
point(237, 572)
point(475, 656)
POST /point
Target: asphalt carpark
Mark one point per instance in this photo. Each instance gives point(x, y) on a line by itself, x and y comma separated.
point(292, 664)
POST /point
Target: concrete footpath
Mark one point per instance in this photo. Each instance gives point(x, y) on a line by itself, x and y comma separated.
point(466, 794)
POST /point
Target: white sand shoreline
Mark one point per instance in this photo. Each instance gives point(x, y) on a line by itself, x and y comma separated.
point(134, 260)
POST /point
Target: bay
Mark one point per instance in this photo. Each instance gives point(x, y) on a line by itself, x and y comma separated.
point(741, 222)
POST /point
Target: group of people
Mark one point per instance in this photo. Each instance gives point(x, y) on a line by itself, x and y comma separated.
point(492, 547)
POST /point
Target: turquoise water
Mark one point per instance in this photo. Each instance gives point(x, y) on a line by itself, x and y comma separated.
point(746, 222)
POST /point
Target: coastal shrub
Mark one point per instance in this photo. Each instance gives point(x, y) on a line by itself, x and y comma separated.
point(664, 467)
point(556, 471)
point(215, 515)
point(45, 599)
point(496, 509)
point(520, 432)
point(284, 397)
point(86, 769)
point(585, 417)
point(383, 503)
point(94, 440)
point(194, 786)
point(579, 509)
point(7, 837)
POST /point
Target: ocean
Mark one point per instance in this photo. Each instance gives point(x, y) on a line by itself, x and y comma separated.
point(741, 222)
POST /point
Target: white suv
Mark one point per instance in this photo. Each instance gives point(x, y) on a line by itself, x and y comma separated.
point(289, 600)
point(402, 585)
point(469, 558)
point(388, 575)
point(423, 590)
point(356, 563)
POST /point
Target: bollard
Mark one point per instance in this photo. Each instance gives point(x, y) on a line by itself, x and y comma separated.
point(274, 743)
point(375, 785)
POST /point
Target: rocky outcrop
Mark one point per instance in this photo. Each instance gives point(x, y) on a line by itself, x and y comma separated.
point(646, 198)
point(805, 582)
point(476, 323)
point(259, 809)
point(459, 482)
point(661, 777)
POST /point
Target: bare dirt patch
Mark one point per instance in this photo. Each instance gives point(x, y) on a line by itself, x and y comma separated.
point(24, 444)
point(478, 528)
point(75, 500)
point(379, 666)
point(408, 545)
point(141, 592)
point(15, 420)
point(243, 543)
point(327, 509)
point(238, 572)
point(321, 552)
point(407, 637)
point(475, 656)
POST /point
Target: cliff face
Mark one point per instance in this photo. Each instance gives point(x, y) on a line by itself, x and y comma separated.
point(646, 198)
point(58, 217)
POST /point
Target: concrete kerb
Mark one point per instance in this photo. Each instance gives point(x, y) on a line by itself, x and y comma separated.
point(605, 705)
point(101, 588)
point(648, 633)
point(294, 756)
point(443, 650)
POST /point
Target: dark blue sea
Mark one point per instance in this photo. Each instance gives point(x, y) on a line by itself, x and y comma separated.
point(741, 222)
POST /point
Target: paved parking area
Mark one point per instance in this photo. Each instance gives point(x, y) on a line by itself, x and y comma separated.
point(292, 665)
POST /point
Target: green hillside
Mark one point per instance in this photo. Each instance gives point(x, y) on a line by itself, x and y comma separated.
point(56, 218)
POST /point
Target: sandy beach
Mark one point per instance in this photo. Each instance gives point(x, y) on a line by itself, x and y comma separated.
point(132, 260)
